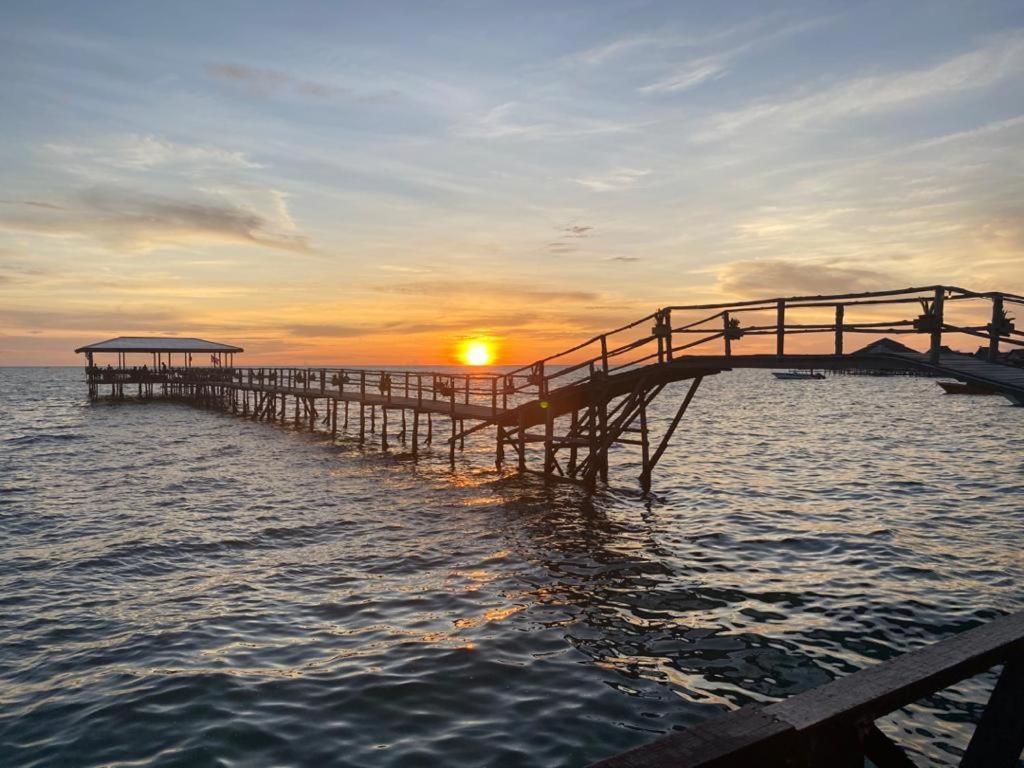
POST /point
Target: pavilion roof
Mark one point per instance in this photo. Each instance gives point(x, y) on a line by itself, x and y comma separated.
point(157, 344)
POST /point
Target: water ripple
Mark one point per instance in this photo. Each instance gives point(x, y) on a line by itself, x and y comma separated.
point(181, 587)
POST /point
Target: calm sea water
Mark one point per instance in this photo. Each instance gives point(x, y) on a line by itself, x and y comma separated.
point(183, 587)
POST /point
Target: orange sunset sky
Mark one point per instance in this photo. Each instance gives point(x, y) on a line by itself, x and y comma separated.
point(377, 183)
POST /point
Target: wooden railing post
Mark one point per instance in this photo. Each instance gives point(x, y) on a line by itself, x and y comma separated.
point(937, 310)
point(451, 416)
point(668, 334)
point(998, 318)
point(780, 328)
point(549, 452)
point(662, 332)
point(604, 354)
point(999, 736)
point(840, 311)
point(726, 335)
point(362, 412)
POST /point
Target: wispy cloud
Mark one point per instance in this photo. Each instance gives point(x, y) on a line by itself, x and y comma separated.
point(599, 54)
point(514, 119)
point(578, 230)
point(774, 277)
point(861, 96)
point(568, 241)
point(476, 289)
point(265, 82)
point(138, 152)
point(142, 221)
point(690, 76)
point(615, 180)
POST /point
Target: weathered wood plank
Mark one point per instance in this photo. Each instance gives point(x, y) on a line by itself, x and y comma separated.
point(746, 737)
point(870, 693)
point(806, 728)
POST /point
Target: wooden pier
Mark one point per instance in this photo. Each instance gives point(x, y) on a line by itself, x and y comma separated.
point(578, 405)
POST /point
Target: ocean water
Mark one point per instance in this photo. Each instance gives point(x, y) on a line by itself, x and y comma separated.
point(182, 587)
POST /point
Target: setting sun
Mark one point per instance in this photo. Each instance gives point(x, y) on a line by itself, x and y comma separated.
point(477, 352)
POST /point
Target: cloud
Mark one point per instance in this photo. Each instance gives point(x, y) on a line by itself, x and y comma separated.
point(602, 53)
point(614, 181)
point(328, 330)
point(624, 258)
point(779, 277)
point(692, 75)
point(566, 244)
point(113, 321)
point(128, 218)
point(576, 230)
point(21, 271)
point(265, 82)
point(476, 290)
point(513, 119)
point(975, 70)
point(561, 249)
point(138, 152)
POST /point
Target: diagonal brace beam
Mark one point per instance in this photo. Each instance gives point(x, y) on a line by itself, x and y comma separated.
point(645, 477)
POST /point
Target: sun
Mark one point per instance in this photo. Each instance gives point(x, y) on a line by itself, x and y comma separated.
point(476, 352)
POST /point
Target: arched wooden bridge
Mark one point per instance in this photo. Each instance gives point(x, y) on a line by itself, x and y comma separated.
point(578, 404)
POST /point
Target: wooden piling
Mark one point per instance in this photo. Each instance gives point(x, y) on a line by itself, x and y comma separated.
point(415, 433)
point(451, 441)
point(549, 453)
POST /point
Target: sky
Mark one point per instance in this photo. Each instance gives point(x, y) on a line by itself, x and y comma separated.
point(376, 182)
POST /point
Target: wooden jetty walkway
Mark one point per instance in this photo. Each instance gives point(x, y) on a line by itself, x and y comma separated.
point(567, 412)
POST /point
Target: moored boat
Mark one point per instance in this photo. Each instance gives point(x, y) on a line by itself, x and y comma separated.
point(791, 375)
point(961, 388)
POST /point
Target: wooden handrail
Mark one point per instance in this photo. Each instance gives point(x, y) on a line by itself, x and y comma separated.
point(834, 723)
point(933, 296)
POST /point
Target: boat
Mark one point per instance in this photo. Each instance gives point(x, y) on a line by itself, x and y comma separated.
point(960, 388)
point(791, 375)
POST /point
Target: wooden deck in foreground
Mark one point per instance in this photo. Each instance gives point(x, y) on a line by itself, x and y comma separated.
point(833, 726)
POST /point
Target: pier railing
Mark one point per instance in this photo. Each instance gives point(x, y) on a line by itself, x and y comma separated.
point(673, 331)
point(834, 725)
point(403, 387)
